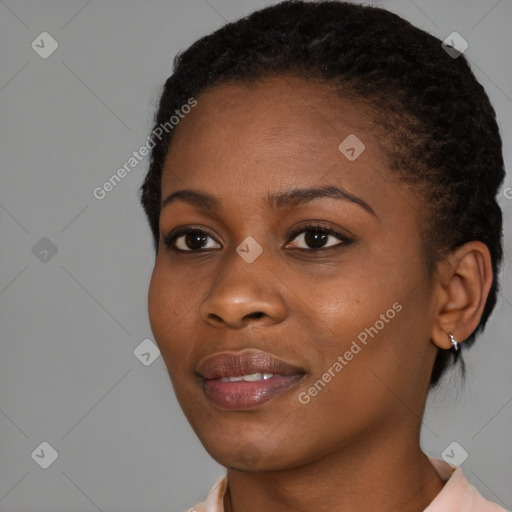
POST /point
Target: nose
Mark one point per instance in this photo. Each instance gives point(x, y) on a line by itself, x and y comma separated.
point(246, 294)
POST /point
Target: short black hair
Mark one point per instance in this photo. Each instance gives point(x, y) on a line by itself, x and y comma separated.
point(439, 128)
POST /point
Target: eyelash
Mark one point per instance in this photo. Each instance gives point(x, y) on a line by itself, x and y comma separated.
point(171, 238)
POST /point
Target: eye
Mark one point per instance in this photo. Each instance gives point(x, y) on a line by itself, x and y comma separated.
point(189, 240)
point(313, 237)
point(317, 237)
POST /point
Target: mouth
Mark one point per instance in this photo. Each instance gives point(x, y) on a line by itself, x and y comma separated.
point(246, 379)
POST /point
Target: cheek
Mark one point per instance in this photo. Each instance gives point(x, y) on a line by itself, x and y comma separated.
point(376, 318)
point(167, 307)
point(158, 304)
point(347, 303)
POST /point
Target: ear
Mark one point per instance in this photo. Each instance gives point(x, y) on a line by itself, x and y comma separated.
point(464, 280)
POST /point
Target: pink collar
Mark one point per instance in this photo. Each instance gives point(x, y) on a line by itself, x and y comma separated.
point(457, 495)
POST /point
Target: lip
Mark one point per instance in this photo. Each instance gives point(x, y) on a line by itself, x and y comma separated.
point(241, 394)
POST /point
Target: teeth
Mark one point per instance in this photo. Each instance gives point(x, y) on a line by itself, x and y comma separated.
point(231, 379)
point(252, 377)
point(248, 378)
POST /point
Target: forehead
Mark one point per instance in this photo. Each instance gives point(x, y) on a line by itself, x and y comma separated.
point(281, 120)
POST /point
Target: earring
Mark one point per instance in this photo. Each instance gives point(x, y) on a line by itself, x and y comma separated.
point(455, 345)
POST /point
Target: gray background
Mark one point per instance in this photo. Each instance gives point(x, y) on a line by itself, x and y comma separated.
point(70, 324)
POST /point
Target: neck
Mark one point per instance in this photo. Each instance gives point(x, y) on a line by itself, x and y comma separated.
point(384, 475)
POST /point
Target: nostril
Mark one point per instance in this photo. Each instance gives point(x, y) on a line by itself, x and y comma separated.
point(257, 314)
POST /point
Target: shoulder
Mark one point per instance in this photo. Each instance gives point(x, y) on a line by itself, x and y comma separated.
point(214, 499)
point(458, 495)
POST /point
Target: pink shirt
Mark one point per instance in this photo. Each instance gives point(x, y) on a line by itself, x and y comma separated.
point(457, 495)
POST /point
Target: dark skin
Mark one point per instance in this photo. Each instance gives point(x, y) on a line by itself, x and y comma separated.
point(355, 445)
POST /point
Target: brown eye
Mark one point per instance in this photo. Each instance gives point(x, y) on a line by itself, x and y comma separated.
point(189, 240)
point(317, 237)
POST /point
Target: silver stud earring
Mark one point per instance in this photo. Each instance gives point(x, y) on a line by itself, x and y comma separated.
point(455, 345)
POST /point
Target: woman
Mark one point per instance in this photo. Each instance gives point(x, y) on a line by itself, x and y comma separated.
point(328, 240)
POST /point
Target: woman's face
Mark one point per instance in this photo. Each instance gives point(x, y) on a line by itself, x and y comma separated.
point(330, 325)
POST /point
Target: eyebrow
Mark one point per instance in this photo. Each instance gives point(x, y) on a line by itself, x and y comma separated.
point(278, 201)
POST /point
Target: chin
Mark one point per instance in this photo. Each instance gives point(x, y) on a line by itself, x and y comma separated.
point(253, 456)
